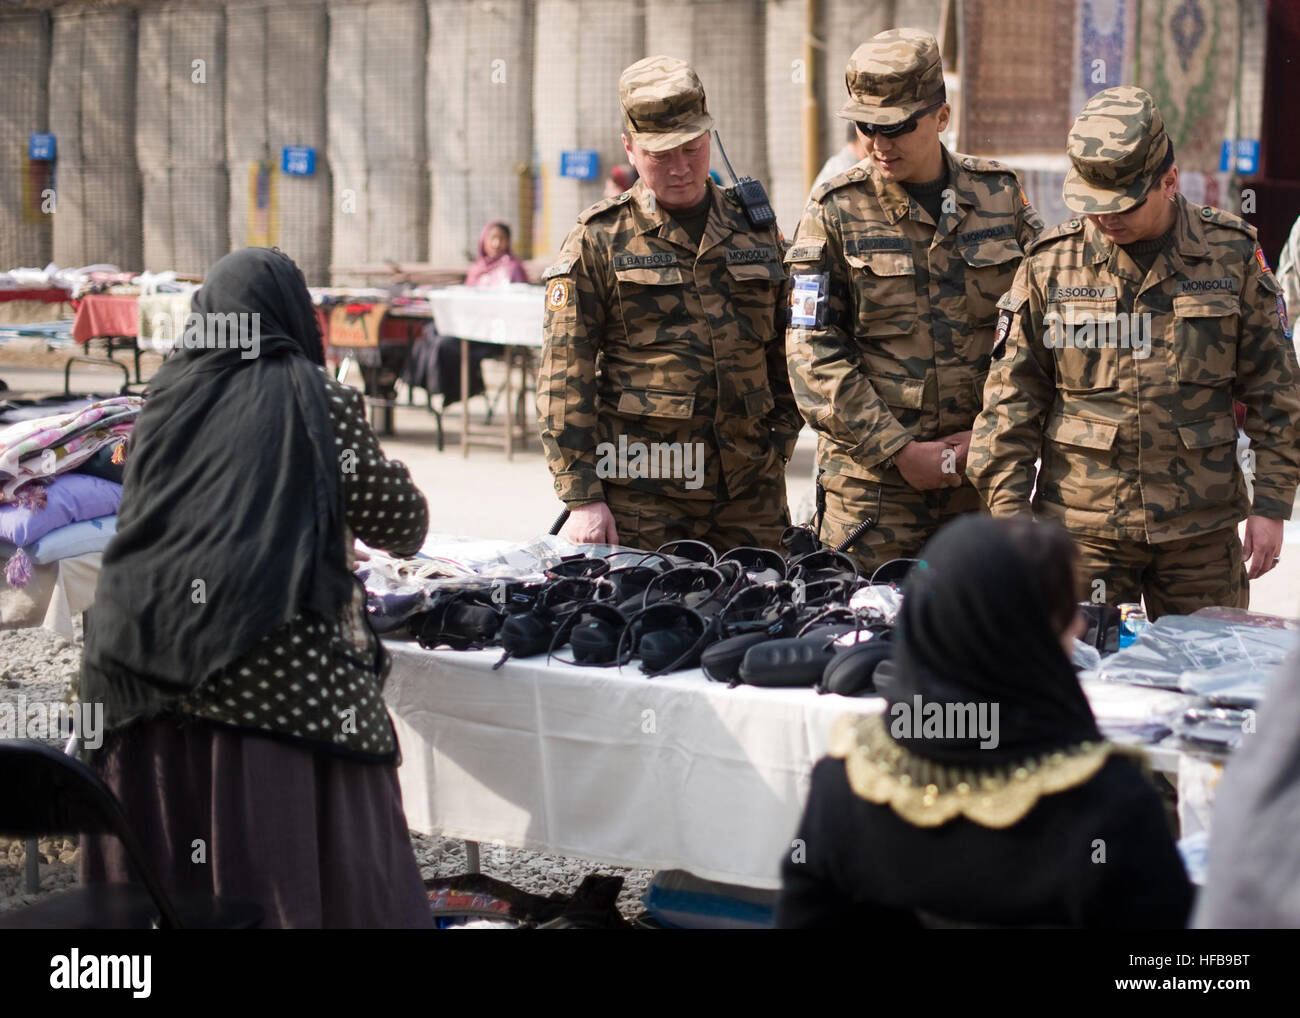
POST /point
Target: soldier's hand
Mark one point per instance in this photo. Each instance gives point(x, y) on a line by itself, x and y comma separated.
point(960, 442)
point(928, 465)
point(592, 523)
point(1263, 545)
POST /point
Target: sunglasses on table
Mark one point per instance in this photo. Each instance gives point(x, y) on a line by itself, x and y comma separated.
point(894, 130)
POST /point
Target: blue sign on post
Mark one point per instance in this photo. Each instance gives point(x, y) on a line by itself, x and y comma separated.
point(298, 161)
point(1247, 161)
point(40, 146)
point(580, 163)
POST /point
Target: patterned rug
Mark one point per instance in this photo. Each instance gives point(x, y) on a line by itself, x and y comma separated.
point(1016, 87)
point(1105, 35)
point(1187, 59)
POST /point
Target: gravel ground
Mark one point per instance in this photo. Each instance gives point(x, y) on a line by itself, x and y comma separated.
point(38, 665)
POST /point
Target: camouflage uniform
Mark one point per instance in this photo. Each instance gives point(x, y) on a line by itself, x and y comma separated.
point(650, 340)
point(902, 347)
point(1139, 453)
point(1288, 277)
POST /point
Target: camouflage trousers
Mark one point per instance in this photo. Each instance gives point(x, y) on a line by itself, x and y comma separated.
point(757, 518)
point(905, 518)
point(1171, 579)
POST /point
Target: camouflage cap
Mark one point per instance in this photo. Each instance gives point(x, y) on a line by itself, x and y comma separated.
point(663, 103)
point(891, 76)
point(1116, 147)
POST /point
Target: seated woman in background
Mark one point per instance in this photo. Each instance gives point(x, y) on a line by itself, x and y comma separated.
point(1047, 825)
point(228, 642)
point(435, 360)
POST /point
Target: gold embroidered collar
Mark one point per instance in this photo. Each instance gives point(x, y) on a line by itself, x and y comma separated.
point(927, 793)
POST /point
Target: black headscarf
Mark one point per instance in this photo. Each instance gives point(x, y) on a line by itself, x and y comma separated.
point(975, 628)
point(231, 522)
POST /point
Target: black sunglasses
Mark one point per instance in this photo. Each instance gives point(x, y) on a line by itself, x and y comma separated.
point(894, 130)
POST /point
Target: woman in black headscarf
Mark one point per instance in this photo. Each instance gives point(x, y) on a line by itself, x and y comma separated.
point(984, 794)
point(228, 640)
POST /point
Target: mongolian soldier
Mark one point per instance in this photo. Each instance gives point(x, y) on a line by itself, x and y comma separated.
point(1128, 334)
point(665, 405)
point(896, 269)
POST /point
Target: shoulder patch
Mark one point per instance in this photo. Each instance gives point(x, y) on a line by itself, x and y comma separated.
point(1066, 229)
point(806, 251)
point(558, 269)
point(1221, 217)
point(604, 205)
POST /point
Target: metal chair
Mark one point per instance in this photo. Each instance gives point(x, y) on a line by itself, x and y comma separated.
point(43, 791)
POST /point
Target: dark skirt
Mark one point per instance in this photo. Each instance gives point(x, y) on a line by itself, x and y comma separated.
point(434, 365)
point(316, 840)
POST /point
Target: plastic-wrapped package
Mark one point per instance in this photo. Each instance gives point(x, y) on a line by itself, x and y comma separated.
point(1132, 715)
point(1202, 655)
point(1215, 730)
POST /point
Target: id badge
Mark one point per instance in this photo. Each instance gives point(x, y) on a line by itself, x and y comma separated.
point(808, 301)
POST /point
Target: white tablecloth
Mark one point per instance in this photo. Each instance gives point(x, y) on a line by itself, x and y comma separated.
point(509, 315)
point(674, 772)
point(670, 772)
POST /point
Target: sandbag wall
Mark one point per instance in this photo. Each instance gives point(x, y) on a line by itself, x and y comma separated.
point(375, 99)
point(26, 231)
point(723, 41)
point(275, 97)
point(786, 73)
point(479, 109)
point(180, 130)
point(581, 48)
point(92, 112)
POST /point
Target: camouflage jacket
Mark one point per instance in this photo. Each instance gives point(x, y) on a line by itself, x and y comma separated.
point(1138, 446)
point(901, 347)
point(650, 340)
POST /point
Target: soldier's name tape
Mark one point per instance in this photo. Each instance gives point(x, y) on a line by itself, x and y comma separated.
point(625, 460)
point(1081, 293)
point(752, 255)
point(863, 245)
point(980, 236)
point(1085, 331)
point(1225, 285)
point(645, 261)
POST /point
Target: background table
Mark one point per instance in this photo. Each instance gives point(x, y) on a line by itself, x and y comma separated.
point(509, 316)
point(674, 772)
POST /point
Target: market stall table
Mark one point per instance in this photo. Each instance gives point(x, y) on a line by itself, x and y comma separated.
point(508, 316)
point(674, 772)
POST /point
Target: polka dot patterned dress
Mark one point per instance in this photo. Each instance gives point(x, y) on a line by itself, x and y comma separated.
point(317, 679)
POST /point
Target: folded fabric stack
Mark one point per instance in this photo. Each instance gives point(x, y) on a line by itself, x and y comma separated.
point(60, 484)
point(79, 516)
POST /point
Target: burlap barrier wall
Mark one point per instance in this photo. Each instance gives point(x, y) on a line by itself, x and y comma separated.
point(480, 109)
point(723, 40)
point(275, 97)
point(92, 112)
point(26, 232)
point(581, 48)
point(375, 102)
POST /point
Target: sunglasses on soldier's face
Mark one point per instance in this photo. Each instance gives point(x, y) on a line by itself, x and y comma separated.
point(894, 130)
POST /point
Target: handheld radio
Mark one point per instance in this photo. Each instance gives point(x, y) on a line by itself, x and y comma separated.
point(758, 210)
